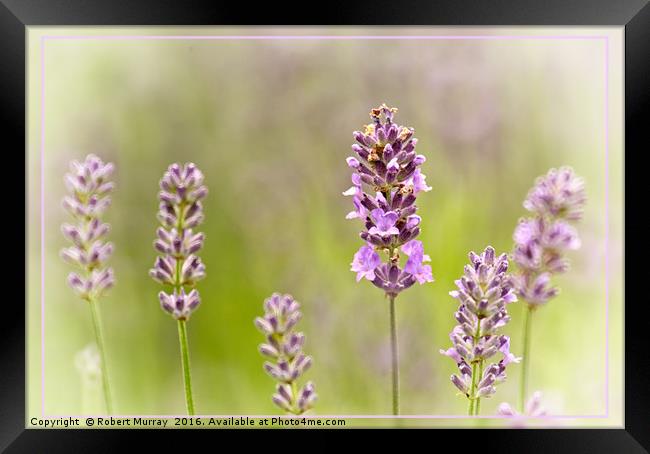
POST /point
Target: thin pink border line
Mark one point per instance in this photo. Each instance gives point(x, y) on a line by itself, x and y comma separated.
point(607, 226)
point(43, 226)
point(322, 37)
point(547, 417)
point(332, 38)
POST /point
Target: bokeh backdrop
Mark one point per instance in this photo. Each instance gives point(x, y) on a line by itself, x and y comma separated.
point(270, 124)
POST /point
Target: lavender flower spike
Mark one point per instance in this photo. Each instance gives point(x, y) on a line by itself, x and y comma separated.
point(541, 241)
point(180, 212)
point(283, 348)
point(386, 180)
point(88, 184)
point(484, 291)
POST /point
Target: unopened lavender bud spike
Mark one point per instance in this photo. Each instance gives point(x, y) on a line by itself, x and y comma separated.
point(180, 212)
point(475, 339)
point(281, 313)
point(88, 198)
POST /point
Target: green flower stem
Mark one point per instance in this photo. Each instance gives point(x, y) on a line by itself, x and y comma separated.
point(395, 359)
point(185, 359)
point(99, 339)
point(477, 406)
point(472, 391)
point(525, 364)
point(182, 330)
point(475, 402)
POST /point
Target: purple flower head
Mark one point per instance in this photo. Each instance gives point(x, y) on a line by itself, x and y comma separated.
point(192, 270)
point(182, 184)
point(88, 186)
point(483, 292)
point(178, 244)
point(355, 189)
point(88, 197)
point(505, 349)
point(559, 194)
point(535, 289)
point(452, 353)
point(560, 236)
point(89, 257)
point(385, 183)
point(94, 286)
point(418, 181)
point(485, 289)
point(179, 304)
point(306, 397)
point(415, 247)
point(359, 212)
point(541, 241)
point(366, 260)
point(180, 212)
point(283, 348)
point(415, 263)
point(551, 236)
point(392, 280)
point(384, 223)
point(422, 273)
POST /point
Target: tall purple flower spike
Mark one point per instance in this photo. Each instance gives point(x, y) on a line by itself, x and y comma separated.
point(483, 292)
point(88, 184)
point(88, 198)
point(556, 200)
point(283, 347)
point(180, 211)
point(386, 180)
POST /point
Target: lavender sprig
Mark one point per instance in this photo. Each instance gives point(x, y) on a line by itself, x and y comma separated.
point(386, 180)
point(483, 292)
point(541, 242)
point(88, 198)
point(283, 347)
point(180, 211)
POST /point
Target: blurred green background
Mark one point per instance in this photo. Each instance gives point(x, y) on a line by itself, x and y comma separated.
point(270, 124)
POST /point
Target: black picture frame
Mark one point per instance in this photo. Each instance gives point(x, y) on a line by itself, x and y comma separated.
point(634, 15)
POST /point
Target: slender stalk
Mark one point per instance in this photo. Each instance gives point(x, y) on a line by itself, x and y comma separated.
point(472, 391)
point(185, 353)
point(477, 405)
point(523, 384)
point(474, 403)
point(185, 359)
point(395, 359)
point(99, 340)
